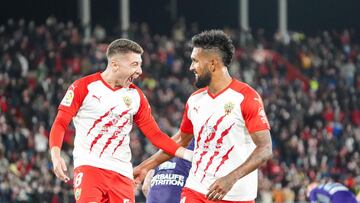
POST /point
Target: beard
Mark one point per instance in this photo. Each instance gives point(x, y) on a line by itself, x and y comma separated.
point(203, 80)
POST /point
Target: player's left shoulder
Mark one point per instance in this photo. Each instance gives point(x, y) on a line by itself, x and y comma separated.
point(242, 87)
point(137, 92)
point(133, 87)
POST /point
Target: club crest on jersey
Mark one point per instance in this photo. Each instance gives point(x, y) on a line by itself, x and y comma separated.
point(68, 98)
point(77, 193)
point(228, 107)
point(127, 100)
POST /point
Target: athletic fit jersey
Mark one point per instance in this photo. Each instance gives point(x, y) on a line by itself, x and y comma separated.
point(169, 179)
point(331, 193)
point(103, 118)
point(222, 125)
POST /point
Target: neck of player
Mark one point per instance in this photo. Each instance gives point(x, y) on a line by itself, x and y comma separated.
point(219, 81)
point(109, 79)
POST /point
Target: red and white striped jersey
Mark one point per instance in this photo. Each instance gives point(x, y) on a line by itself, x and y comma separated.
point(222, 125)
point(103, 118)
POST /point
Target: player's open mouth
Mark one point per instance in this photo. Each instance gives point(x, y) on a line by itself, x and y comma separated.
point(131, 79)
point(196, 76)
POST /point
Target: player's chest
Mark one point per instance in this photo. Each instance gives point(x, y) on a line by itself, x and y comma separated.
point(207, 110)
point(101, 103)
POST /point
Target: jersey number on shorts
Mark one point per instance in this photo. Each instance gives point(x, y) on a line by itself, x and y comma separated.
point(183, 200)
point(78, 179)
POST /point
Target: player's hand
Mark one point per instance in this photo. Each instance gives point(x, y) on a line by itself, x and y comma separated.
point(60, 168)
point(220, 188)
point(147, 182)
point(139, 175)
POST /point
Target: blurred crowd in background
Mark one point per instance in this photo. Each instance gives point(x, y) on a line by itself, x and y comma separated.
point(310, 86)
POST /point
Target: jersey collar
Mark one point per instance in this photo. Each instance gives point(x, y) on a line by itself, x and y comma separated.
point(223, 90)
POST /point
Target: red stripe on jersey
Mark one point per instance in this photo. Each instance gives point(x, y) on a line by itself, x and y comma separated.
point(121, 126)
point(200, 132)
point(224, 158)
point(100, 119)
point(106, 127)
point(116, 133)
point(118, 130)
point(96, 139)
point(212, 135)
point(218, 145)
point(198, 162)
point(124, 113)
point(208, 139)
point(120, 143)
point(103, 130)
point(108, 143)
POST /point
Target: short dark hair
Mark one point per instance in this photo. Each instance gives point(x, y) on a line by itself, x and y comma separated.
point(123, 46)
point(218, 40)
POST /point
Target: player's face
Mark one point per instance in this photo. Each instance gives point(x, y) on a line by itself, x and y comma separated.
point(127, 67)
point(199, 65)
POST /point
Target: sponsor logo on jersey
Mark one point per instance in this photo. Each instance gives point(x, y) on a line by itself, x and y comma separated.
point(168, 179)
point(228, 107)
point(77, 193)
point(69, 96)
point(196, 108)
point(97, 97)
point(212, 147)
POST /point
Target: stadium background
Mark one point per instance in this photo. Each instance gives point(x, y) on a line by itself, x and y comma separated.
point(310, 84)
